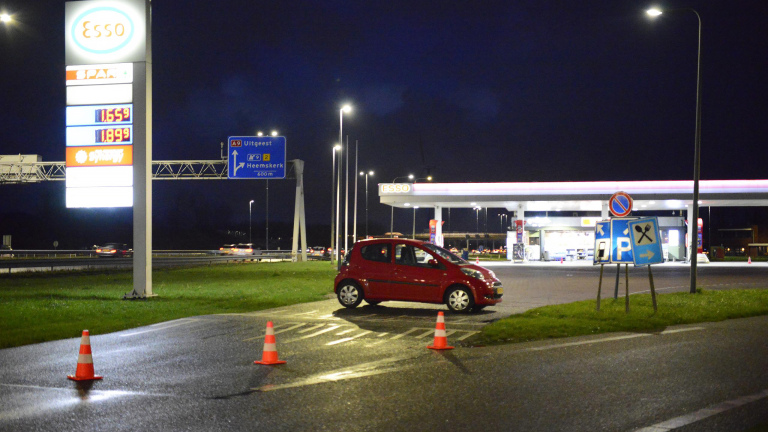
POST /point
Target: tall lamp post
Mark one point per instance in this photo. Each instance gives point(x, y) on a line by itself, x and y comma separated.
point(250, 224)
point(366, 174)
point(336, 149)
point(697, 148)
point(392, 211)
point(337, 251)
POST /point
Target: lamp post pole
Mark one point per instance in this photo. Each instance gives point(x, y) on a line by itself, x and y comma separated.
point(336, 148)
point(694, 239)
point(337, 252)
point(250, 224)
point(366, 174)
point(392, 210)
point(266, 219)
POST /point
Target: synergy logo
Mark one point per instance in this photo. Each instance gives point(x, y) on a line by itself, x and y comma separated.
point(102, 30)
point(99, 156)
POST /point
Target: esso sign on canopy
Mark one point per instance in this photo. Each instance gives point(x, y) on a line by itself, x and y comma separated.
point(395, 188)
point(111, 31)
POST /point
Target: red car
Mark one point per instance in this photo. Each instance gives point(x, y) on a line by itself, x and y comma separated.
point(412, 270)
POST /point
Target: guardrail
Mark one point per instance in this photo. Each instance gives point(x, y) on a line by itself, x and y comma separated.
point(30, 260)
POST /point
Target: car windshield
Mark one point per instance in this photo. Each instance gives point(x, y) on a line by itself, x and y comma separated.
point(444, 253)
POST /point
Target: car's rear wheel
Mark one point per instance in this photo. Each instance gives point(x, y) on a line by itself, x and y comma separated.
point(459, 299)
point(349, 294)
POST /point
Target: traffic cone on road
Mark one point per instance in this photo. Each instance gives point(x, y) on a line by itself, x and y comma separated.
point(84, 370)
point(441, 340)
point(269, 356)
point(477, 260)
point(749, 260)
point(562, 260)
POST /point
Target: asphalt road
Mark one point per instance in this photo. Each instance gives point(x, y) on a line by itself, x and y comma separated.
point(369, 369)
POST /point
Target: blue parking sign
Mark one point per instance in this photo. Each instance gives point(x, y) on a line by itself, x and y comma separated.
point(621, 241)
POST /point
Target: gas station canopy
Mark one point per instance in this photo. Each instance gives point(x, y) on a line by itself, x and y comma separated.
point(575, 196)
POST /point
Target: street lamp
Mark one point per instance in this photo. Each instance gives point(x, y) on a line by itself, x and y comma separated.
point(366, 174)
point(344, 109)
point(5, 18)
point(336, 149)
point(501, 223)
point(477, 219)
point(392, 211)
point(693, 255)
point(250, 224)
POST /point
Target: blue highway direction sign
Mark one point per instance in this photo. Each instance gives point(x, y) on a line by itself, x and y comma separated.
point(646, 247)
point(602, 242)
point(254, 157)
point(621, 241)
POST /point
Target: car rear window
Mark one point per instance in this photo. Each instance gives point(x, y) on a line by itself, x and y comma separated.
point(379, 252)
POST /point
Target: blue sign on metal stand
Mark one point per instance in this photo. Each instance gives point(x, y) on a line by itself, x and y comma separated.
point(621, 241)
point(254, 157)
point(602, 243)
point(646, 247)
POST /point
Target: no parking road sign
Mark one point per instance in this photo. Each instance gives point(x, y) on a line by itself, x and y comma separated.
point(620, 204)
point(646, 247)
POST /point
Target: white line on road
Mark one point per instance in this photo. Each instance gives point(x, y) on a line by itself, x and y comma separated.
point(701, 414)
point(162, 326)
point(610, 339)
point(348, 339)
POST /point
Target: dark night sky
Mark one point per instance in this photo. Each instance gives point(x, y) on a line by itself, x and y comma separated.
point(496, 91)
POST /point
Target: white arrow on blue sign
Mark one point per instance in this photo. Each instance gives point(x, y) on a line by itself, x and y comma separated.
point(646, 247)
point(602, 242)
point(255, 157)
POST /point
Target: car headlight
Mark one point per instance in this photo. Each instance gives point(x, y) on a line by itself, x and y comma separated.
point(473, 273)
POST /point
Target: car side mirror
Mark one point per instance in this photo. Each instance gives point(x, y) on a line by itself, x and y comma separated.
point(433, 263)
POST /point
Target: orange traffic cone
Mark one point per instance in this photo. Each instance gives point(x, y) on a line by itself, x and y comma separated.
point(441, 340)
point(84, 370)
point(562, 260)
point(749, 260)
point(269, 356)
point(477, 260)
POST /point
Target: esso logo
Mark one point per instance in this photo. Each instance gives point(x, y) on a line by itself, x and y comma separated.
point(103, 30)
point(389, 188)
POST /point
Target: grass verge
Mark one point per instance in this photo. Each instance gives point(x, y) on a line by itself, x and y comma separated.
point(41, 307)
point(582, 318)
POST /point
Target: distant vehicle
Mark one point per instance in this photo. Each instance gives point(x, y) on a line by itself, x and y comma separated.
point(114, 250)
point(412, 270)
point(243, 249)
point(227, 249)
point(319, 251)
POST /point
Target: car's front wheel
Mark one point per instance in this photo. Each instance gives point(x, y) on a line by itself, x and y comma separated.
point(459, 299)
point(349, 294)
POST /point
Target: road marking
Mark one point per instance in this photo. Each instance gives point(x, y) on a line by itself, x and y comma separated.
point(345, 332)
point(469, 333)
point(295, 326)
point(362, 370)
point(610, 339)
point(680, 330)
point(336, 342)
point(406, 333)
point(311, 328)
point(701, 414)
point(318, 333)
point(163, 326)
point(428, 332)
